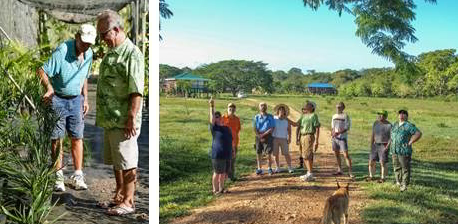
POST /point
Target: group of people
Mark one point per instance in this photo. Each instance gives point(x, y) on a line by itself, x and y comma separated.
point(273, 133)
point(398, 138)
point(118, 109)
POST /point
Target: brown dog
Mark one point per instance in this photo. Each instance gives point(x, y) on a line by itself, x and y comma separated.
point(336, 206)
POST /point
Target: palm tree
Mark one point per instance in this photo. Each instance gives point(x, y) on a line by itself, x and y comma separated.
point(165, 13)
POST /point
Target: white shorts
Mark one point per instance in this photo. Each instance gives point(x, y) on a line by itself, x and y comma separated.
point(119, 151)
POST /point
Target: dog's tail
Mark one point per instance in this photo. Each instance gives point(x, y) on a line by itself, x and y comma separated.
point(327, 213)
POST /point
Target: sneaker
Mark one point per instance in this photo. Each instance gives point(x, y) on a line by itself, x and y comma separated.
point(310, 177)
point(258, 171)
point(398, 184)
point(78, 182)
point(270, 171)
point(303, 177)
point(277, 170)
point(290, 170)
point(59, 186)
point(403, 188)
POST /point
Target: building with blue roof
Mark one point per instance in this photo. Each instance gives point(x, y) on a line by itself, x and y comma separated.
point(321, 88)
point(198, 84)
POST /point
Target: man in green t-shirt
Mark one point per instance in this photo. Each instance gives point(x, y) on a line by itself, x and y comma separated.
point(119, 106)
point(309, 126)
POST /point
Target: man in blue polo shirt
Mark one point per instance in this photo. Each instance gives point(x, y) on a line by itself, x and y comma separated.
point(263, 126)
point(64, 76)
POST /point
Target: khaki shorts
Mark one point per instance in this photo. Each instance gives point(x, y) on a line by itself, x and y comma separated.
point(307, 146)
point(281, 143)
point(119, 151)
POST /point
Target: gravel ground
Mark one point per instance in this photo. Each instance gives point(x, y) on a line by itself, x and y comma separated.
point(282, 197)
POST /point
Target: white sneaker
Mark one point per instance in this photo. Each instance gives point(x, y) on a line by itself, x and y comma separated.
point(290, 170)
point(59, 186)
point(78, 182)
point(277, 170)
point(303, 177)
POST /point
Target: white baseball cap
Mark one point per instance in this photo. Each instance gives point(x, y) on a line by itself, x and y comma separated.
point(88, 33)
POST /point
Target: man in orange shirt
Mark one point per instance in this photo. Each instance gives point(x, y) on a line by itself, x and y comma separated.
point(233, 122)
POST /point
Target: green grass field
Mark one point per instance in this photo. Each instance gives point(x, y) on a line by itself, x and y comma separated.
point(185, 168)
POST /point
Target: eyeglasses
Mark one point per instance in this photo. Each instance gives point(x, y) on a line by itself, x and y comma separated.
point(102, 34)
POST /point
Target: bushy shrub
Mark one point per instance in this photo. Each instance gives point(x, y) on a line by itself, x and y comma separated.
point(25, 170)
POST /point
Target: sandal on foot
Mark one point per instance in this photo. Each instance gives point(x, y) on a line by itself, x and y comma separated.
point(121, 210)
point(108, 204)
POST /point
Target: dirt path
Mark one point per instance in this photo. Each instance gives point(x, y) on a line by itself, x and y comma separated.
point(81, 206)
point(282, 197)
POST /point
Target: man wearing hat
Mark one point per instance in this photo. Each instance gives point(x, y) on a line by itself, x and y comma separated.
point(230, 120)
point(380, 137)
point(64, 77)
point(403, 135)
point(263, 126)
point(282, 136)
point(298, 133)
point(309, 127)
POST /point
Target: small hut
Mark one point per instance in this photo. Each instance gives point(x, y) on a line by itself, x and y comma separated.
point(197, 84)
point(321, 88)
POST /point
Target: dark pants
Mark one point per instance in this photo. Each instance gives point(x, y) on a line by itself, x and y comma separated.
point(401, 165)
point(231, 171)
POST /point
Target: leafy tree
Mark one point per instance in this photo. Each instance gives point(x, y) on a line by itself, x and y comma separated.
point(435, 66)
point(384, 26)
point(295, 71)
point(167, 71)
point(239, 75)
point(164, 12)
point(452, 73)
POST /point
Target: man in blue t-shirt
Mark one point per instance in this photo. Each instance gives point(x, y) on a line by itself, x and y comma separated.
point(221, 149)
point(263, 126)
point(64, 76)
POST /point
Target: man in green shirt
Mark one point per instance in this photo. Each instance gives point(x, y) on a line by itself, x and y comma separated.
point(403, 135)
point(119, 106)
point(309, 126)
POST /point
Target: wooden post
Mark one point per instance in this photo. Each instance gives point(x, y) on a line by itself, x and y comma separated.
point(143, 30)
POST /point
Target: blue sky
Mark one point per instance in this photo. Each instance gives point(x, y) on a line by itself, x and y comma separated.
point(286, 34)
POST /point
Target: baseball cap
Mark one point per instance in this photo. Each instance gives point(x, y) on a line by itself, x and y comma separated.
point(383, 112)
point(402, 111)
point(88, 33)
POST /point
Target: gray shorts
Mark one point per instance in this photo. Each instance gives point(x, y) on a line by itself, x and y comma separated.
point(339, 144)
point(266, 146)
point(281, 143)
point(219, 165)
point(378, 153)
point(119, 151)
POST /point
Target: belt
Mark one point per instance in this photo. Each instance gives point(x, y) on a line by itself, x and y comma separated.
point(65, 97)
point(308, 134)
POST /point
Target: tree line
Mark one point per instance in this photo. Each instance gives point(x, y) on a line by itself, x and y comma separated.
point(429, 74)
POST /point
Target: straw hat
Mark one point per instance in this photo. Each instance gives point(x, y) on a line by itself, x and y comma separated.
point(277, 107)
